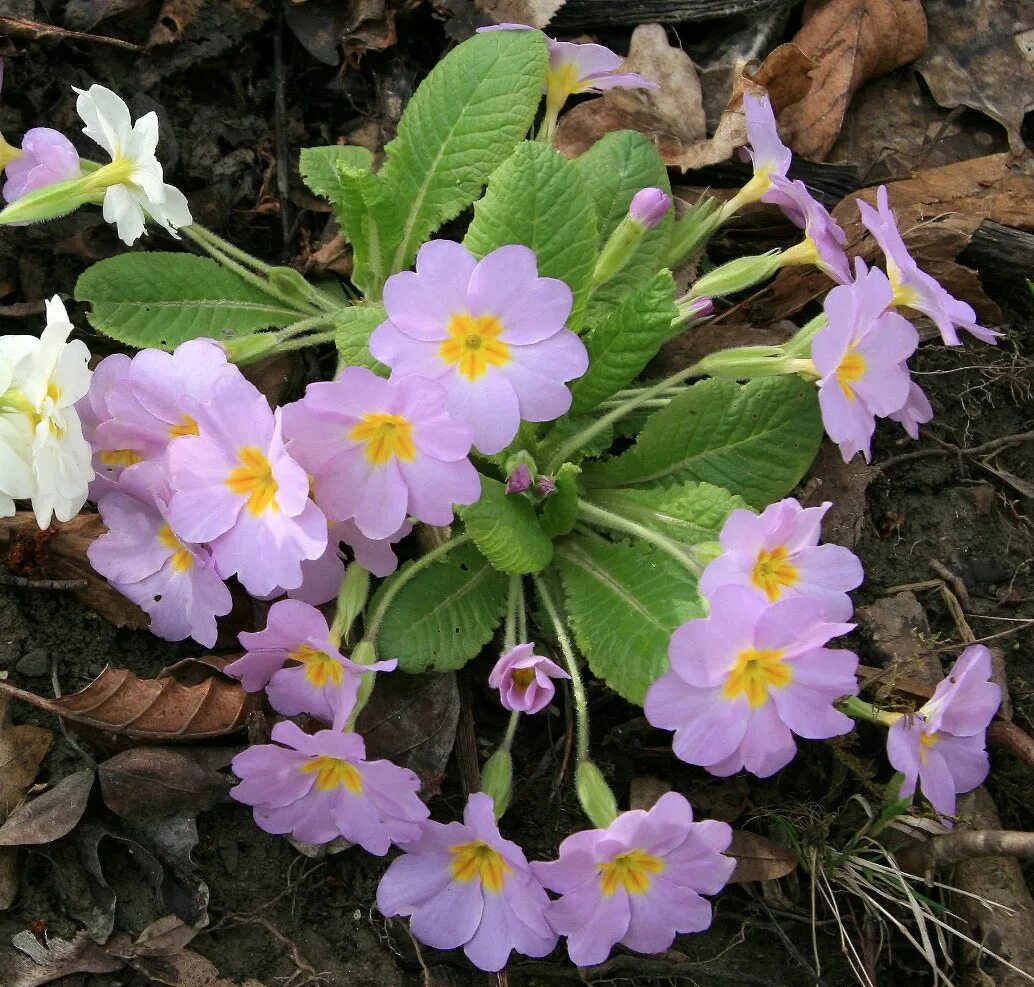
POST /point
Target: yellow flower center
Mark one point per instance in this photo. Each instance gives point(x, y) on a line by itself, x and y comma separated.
point(471, 861)
point(474, 344)
point(386, 436)
point(632, 871)
point(53, 391)
point(187, 427)
point(852, 368)
point(332, 772)
point(320, 668)
point(254, 479)
point(927, 741)
point(562, 82)
point(523, 677)
point(772, 572)
point(121, 457)
point(756, 672)
point(182, 560)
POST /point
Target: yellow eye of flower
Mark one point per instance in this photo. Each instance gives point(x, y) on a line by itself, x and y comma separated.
point(632, 871)
point(773, 572)
point(332, 772)
point(475, 860)
point(254, 479)
point(386, 437)
point(852, 368)
point(756, 672)
point(474, 344)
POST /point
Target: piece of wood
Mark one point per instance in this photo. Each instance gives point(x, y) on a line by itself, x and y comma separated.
point(590, 14)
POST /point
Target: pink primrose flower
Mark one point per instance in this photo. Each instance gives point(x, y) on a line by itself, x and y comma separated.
point(943, 747)
point(747, 678)
point(824, 239)
point(236, 488)
point(914, 288)
point(319, 787)
point(174, 582)
point(525, 679)
point(464, 885)
point(492, 333)
point(298, 665)
point(860, 358)
point(649, 206)
point(638, 882)
point(770, 156)
point(378, 450)
point(777, 555)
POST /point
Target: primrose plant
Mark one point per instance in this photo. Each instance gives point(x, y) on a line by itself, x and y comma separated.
point(586, 523)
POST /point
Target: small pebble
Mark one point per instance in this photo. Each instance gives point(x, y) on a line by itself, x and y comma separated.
point(35, 663)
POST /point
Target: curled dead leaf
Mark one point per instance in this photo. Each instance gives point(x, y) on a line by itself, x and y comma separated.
point(173, 19)
point(759, 858)
point(535, 13)
point(852, 41)
point(159, 781)
point(51, 815)
point(152, 710)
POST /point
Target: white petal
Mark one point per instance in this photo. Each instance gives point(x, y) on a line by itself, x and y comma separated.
point(173, 212)
point(143, 139)
point(106, 117)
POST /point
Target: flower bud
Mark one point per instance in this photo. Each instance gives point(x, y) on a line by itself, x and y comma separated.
point(738, 274)
point(595, 795)
point(519, 480)
point(649, 207)
point(46, 157)
point(545, 486)
point(50, 202)
point(497, 780)
point(249, 349)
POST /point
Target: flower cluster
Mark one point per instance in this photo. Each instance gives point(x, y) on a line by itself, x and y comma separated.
point(755, 672)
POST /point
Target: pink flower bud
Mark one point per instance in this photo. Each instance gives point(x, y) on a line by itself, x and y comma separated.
point(649, 207)
point(47, 157)
point(519, 480)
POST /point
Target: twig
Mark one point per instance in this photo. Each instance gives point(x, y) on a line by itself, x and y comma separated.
point(302, 965)
point(424, 971)
point(951, 848)
point(24, 582)
point(72, 742)
point(948, 449)
point(953, 580)
point(1005, 734)
point(21, 27)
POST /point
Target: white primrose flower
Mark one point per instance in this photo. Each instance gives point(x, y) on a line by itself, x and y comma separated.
point(40, 429)
point(133, 183)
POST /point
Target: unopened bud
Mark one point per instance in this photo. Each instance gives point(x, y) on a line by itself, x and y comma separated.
point(519, 480)
point(595, 795)
point(738, 274)
point(545, 486)
point(649, 206)
point(497, 780)
point(249, 349)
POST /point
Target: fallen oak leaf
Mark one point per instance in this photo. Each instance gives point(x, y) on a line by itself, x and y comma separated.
point(51, 815)
point(60, 958)
point(159, 781)
point(759, 858)
point(852, 41)
point(155, 710)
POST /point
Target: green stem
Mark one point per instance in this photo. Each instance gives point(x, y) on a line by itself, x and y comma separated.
point(399, 580)
point(858, 709)
point(605, 519)
point(511, 731)
point(510, 626)
point(522, 614)
point(581, 705)
point(197, 230)
point(313, 339)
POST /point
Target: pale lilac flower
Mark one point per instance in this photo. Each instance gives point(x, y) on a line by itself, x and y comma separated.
point(649, 206)
point(140, 555)
point(916, 411)
point(747, 678)
point(638, 882)
point(519, 480)
point(299, 666)
point(860, 358)
point(777, 555)
point(824, 240)
point(493, 333)
point(770, 156)
point(47, 157)
point(943, 747)
point(914, 288)
point(109, 376)
point(378, 450)
point(464, 885)
point(237, 489)
point(525, 679)
point(319, 787)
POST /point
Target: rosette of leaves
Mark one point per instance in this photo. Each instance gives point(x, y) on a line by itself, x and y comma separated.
point(626, 531)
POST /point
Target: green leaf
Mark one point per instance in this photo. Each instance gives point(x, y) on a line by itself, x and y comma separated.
point(626, 341)
point(690, 512)
point(624, 600)
point(613, 170)
point(560, 510)
point(506, 530)
point(463, 121)
point(756, 440)
point(323, 168)
point(566, 428)
point(163, 299)
point(445, 615)
point(537, 198)
point(353, 328)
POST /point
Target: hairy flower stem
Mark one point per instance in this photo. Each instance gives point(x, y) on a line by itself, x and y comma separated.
point(511, 731)
point(581, 705)
point(399, 580)
point(800, 343)
point(858, 709)
point(599, 517)
point(514, 600)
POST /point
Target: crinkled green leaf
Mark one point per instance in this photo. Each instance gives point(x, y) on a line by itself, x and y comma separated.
point(463, 121)
point(626, 341)
point(353, 328)
point(507, 532)
point(537, 197)
point(322, 168)
point(560, 510)
point(624, 600)
point(163, 299)
point(566, 428)
point(689, 512)
point(755, 439)
point(445, 615)
point(613, 170)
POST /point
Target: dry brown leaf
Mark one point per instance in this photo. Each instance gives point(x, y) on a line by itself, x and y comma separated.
point(852, 41)
point(173, 19)
point(154, 710)
point(975, 59)
point(26, 30)
point(159, 781)
point(60, 958)
point(534, 13)
point(51, 815)
point(60, 553)
point(759, 858)
point(938, 211)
